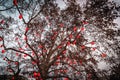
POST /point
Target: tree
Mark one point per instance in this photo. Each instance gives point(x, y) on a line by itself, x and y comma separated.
point(60, 43)
point(115, 72)
point(13, 67)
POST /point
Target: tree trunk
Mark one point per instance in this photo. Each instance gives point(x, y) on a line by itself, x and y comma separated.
point(44, 75)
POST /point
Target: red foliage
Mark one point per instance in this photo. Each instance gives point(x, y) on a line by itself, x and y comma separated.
point(18, 43)
point(70, 36)
point(13, 78)
point(44, 50)
point(52, 38)
point(55, 32)
point(9, 62)
point(4, 58)
point(21, 49)
point(33, 62)
point(75, 28)
point(103, 55)
point(17, 54)
point(57, 63)
point(84, 22)
point(58, 57)
point(61, 25)
point(59, 46)
point(47, 17)
point(20, 16)
point(74, 62)
point(78, 36)
point(80, 62)
point(93, 49)
point(38, 74)
point(15, 2)
point(64, 52)
point(33, 53)
point(68, 43)
point(89, 75)
point(25, 55)
point(16, 63)
point(65, 79)
point(1, 39)
point(92, 43)
point(65, 71)
point(70, 62)
point(82, 47)
point(2, 21)
point(25, 38)
point(3, 51)
point(1, 46)
point(26, 29)
point(82, 29)
point(16, 38)
point(74, 42)
point(1, 28)
point(35, 74)
point(40, 46)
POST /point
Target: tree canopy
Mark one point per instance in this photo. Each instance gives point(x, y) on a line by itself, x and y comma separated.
point(41, 40)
